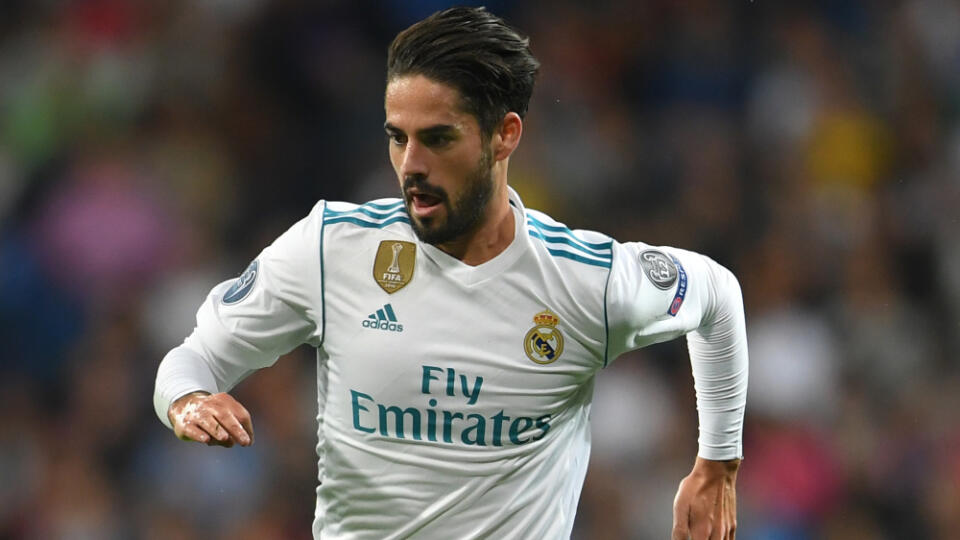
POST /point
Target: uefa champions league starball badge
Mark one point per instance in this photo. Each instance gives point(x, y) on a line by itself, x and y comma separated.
point(241, 286)
point(544, 342)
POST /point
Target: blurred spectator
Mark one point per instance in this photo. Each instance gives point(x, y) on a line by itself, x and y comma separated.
point(149, 150)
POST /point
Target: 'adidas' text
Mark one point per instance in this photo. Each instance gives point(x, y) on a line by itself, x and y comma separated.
point(383, 319)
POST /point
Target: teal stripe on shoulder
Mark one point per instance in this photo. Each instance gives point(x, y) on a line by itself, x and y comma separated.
point(399, 218)
point(369, 209)
point(603, 251)
point(578, 258)
point(543, 227)
point(383, 206)
point(605, 255)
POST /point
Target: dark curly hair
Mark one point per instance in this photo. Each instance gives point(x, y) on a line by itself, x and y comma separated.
point(475, 52)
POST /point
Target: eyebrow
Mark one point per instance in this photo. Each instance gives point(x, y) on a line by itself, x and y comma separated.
point(432, 130)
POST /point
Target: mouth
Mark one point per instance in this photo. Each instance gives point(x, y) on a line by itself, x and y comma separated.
point(424, 204)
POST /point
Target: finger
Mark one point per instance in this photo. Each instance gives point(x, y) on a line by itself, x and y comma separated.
point(213, 428)
point(243, 416)
point(681, 523)
point(732, 514)
point(701, 525)
point(701, 528)
point(724, 518)
point(226, 444)
point(712, 524)
point(220, 435)
point(193, 433)
point(732, 522)
point(234, 428)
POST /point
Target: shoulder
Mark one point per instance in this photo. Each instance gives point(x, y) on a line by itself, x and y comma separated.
point(348, 220)
point(375, 214)
point(585, 248)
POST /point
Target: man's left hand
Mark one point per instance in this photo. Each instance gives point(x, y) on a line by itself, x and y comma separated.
point(706, 504)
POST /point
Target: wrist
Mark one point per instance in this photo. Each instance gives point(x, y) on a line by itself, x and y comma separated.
point(711, 467)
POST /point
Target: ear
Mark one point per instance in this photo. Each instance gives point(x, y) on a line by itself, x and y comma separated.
point(506, 137)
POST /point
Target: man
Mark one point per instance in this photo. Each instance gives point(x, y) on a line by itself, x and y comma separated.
point(457, 333)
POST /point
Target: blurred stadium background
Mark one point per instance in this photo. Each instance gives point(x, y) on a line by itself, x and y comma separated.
point(150, 149)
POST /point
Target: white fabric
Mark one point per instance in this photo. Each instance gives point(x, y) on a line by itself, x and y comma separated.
point(442, 425)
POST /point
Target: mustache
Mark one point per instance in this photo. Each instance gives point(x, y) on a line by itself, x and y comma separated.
point(419, 182)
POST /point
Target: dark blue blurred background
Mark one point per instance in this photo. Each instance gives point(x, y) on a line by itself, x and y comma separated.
point(149, 150)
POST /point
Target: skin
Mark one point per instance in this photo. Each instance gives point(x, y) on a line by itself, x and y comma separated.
point(705, 507)
point(437, 148)
point(213, 419)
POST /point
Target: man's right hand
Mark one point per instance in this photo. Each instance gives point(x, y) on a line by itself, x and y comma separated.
point(214, 419)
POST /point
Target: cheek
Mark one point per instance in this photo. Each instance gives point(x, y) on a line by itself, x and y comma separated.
point(458, 167)
point(395, 158)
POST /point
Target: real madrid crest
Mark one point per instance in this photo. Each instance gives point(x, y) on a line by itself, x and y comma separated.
point(544, 342)
point(394, 264)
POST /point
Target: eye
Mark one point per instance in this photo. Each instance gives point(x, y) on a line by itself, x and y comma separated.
point(397, 139)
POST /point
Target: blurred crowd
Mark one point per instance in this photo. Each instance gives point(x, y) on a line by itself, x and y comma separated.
point(149, 150)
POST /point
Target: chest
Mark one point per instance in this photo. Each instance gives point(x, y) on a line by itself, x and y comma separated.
point(519, 342)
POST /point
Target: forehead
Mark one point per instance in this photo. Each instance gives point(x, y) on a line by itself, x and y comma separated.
point(414, 102)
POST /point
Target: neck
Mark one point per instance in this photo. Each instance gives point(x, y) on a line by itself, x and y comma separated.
point(494, 234)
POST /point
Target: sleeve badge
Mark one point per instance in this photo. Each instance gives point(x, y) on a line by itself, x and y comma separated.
point(659, 269)
point(242, 286)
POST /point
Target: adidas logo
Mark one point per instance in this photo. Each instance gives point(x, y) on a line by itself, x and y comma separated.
point(383, 319)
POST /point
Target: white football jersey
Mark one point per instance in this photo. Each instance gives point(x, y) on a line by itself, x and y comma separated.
point(454, 400)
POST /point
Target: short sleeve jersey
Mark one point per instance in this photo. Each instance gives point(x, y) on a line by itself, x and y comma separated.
point(453, 400)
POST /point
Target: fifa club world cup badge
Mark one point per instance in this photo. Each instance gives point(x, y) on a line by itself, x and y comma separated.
point(544, 342)
point(394, 264)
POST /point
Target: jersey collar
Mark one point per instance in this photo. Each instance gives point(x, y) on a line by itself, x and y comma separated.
point(472, 275)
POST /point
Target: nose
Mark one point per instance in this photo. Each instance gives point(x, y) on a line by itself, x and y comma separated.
point(413, 161)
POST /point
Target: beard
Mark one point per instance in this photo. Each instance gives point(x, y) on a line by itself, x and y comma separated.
point(464, 215)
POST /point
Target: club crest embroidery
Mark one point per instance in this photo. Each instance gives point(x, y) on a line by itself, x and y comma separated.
point(394, 264)
point(544, 342)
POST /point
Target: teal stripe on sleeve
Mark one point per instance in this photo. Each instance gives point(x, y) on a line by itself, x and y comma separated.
point(566, 241)
point(565, 230)
point(578, 258)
